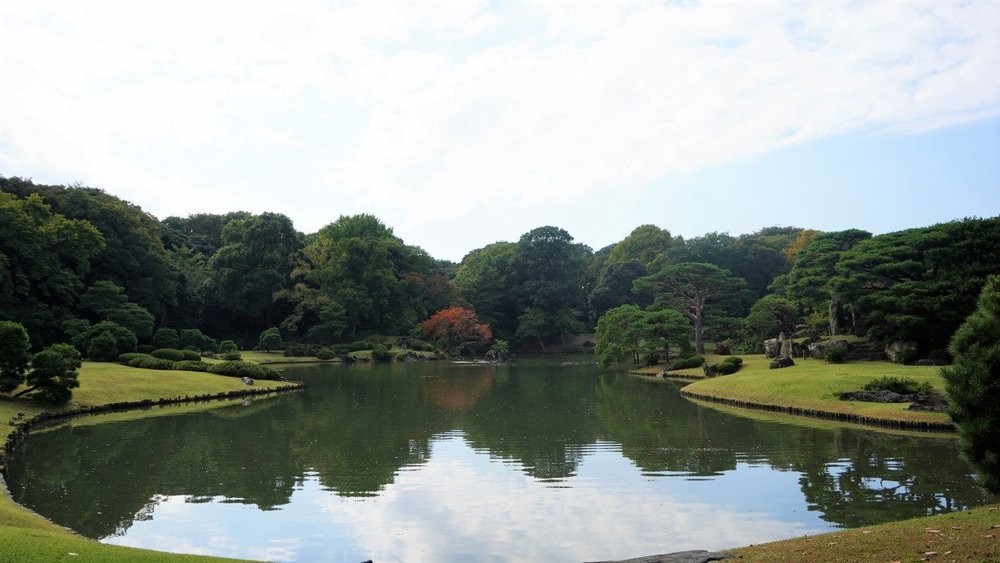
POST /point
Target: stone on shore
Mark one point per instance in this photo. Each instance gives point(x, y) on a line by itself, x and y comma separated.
point(691, 556)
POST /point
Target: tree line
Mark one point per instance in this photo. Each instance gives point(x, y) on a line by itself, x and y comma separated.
point(73, 257)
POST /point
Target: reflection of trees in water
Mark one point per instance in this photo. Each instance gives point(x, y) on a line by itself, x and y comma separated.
point(357, 427)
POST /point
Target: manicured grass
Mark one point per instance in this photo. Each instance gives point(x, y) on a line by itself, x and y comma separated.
point(25, 536)
point(960, 536)
point(816, 384)
point(278, 357)
point(394, 350)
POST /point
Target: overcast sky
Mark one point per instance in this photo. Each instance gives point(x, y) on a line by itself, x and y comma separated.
point(462, 123)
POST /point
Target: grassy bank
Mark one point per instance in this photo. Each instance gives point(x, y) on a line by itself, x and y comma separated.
point(25, 536)
point(814, 385)
point(961, 536)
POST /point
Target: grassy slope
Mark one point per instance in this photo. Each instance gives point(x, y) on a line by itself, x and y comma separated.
point(24, 536)
point(815, 384)
point(960, 536)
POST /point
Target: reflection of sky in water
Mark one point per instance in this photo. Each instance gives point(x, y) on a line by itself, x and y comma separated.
point(462, 505)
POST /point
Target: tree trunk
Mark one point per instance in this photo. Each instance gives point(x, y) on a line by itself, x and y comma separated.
point(699, 344)
point(540, 343)
point(28, 390)
point(834, 313)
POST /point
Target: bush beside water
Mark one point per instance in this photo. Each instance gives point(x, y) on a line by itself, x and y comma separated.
point(901, 385)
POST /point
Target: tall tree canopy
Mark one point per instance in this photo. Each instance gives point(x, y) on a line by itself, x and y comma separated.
point(691, 289)
point(918, 284)
point(253, 263)
point(645, 244)
point(44, 258)
point(486, 281)
point(974, 384)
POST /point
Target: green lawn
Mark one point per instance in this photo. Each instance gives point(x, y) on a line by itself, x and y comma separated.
point(961, 536)
point(25, 536)
point(815, 385)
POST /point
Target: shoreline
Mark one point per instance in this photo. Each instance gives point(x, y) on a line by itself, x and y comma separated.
point(865, 420)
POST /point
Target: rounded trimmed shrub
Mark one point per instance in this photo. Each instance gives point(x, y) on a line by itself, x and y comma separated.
point(735, 360)
point(326, 354)
point(124, 359)
point(228, 346)
point(232, 356)
point(381, 353)
point(688, 362)
point(726, 368)
point(190, 365)
point(901, 385)
point(191, 355)
point(171, 354)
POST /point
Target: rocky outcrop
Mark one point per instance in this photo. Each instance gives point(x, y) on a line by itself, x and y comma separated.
point(782, 362)
point(772, 348)
point(818, 350)
point(711, 370)
point(901, 352)
point(931, 403)
point(724, 348)
point(882, 396)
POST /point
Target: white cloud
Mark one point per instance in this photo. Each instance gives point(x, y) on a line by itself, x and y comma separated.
point(459, 106)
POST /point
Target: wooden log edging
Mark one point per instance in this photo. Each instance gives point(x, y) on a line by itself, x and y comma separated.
point(828, 415)
point(23, 428)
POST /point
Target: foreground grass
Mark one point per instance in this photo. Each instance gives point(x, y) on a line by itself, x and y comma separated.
point(25, 536)
point(959, 536)
point(815, 385)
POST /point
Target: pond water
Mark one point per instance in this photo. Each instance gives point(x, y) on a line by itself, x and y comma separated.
point(541, 460)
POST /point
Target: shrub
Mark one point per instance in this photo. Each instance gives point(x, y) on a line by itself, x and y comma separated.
point(233, 356)
point(688, 362)
point(269, 340)
point(150, 362)
point(124, 359)
point(194, 337)
point(53, 374)
point(227, 346)
point(419, 345)
point(298, 349)
point(166, 338)
point(359, 345)
point(836, 355)
point(103, 347)
point(124, 338)
point(326, 354)
point(191, 355)
point(726, 368)
point(901, 385)
point(169, 354)
point(189, 365)
point(15, 355)
point(381, 353)
point(244, 369)
point(735, 360)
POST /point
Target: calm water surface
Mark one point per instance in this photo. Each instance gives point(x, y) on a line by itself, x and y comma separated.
point(540, 460)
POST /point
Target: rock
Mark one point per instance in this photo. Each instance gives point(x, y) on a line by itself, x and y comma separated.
point(692, 556)
point(711, 370)
point(782, 362)
point(932, 362)
point(786, 349)
point(772, 348)
point(882, 396)
point(932, 403)
point(818, 349)
point(588, 344)
point(724, 348)
point(246, 380)
point(901, 352)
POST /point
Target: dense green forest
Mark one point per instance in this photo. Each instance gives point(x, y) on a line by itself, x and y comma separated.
point(73, 257)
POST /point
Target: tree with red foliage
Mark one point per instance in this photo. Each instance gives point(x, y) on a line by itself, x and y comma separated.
point(457, 330)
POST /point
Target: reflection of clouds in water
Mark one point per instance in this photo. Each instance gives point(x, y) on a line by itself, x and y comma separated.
point(462, 506)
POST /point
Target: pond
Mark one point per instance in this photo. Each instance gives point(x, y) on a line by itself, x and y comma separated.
point(543, 459)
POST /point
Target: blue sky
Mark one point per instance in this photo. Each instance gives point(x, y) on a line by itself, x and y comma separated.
point(462, 123)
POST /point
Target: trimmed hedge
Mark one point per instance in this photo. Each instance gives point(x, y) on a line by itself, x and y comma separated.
point(726, 368)
point(326, 354)
point(149, 362)
point(190, 365)
point(901, 385)
point(244, 369)
point(232, 356)
point(736, 360)
point(298, 349)
point(191, 355)
point(124, 359)
point(171, 354)
point(688, 362)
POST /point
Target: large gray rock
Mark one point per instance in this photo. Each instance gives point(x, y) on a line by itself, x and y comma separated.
point(772, 348)
point(692, 556)
point(782, 362)
point(818, 349)
point(932, 403)
point(901, 352)
point(724, 348)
